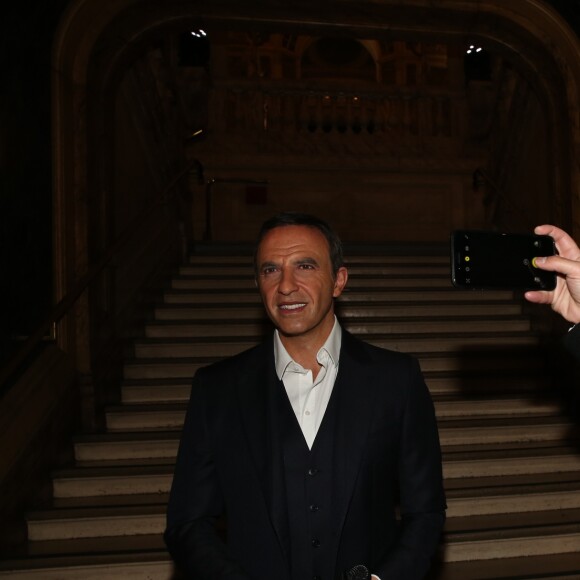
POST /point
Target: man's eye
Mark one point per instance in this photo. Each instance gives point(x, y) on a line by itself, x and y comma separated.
point(306, 267)
point(266, 271)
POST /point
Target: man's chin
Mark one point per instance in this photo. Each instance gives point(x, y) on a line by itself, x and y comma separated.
point(290, 333)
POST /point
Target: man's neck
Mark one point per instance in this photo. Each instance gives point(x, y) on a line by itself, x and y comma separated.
point(304, 348)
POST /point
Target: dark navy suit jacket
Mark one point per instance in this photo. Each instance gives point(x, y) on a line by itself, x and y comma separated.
point(571, 341)
point(386, 453)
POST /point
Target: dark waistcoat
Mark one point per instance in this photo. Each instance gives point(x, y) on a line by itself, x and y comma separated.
point(308, 477)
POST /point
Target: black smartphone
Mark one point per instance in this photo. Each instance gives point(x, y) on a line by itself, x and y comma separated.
point(489, 260)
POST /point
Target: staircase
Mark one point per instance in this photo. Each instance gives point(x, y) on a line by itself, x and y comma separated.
point(511, 458)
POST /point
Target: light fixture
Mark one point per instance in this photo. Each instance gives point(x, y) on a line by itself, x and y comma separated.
point(194, 48)
point(472, 48)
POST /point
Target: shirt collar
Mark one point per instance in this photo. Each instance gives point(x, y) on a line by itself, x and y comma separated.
point(331, 346)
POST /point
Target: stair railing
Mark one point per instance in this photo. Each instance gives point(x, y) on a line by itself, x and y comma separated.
point(64, 306)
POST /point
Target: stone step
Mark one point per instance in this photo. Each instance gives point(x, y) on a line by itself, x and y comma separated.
point(460, 423)
point(171, 347)
point(112, 481)
point(176, 375)
point(506, 359)
point(156, 565)
point(144, 479)
point(443, 351)
point(147, 418)
point(164, 390)
point(147, 379)
point(480, 425)
point(152, 565)
point(508, 504)
point(518, 542)
point(470, 407)
point(546, 567)
point(350, 295)
point(165, 369)
point(168, 390)
point(131, 446)
point(511, 465)
point(157, 418)
point(503, 434)
point(126, 520)
point(97, 522)
point(258, 329)
point(345, 311)
point(97, 546)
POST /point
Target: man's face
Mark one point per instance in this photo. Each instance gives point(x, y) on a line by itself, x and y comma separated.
point(296, 281)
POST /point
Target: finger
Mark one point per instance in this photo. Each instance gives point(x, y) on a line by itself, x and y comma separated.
point(558, 264)
point(539, 296)
point(566, 246)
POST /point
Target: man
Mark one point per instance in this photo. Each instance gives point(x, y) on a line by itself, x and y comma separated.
point(307, 442)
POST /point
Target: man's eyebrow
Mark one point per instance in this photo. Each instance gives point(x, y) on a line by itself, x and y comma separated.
point(306, 260)
point(267, 265)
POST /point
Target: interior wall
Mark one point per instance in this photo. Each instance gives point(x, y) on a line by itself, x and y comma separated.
point(364, 205)
point(528, 189)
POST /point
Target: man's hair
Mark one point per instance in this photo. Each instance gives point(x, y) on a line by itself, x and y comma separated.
point(294, 218)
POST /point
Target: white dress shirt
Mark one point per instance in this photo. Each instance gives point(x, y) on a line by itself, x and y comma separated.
point(309, 397)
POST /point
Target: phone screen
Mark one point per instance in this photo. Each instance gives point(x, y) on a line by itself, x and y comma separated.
point(488, 260)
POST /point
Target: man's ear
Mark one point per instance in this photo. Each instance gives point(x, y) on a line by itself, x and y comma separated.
point(340, 280)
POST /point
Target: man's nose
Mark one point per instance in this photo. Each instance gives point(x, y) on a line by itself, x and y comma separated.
point(287, 283)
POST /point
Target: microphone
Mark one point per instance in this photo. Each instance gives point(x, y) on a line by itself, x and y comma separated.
point(358, 572)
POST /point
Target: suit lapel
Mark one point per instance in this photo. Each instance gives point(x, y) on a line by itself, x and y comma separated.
point(356, 393)
point(257, 402)
point(253, 387)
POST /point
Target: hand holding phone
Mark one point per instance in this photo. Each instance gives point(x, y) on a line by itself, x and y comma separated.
point(565, 299)
point(487, 260)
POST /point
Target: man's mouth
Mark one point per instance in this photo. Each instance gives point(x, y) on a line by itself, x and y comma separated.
point(292, 306)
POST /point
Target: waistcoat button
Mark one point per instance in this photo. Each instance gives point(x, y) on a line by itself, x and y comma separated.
point(312, 471)
point(315, 543)
point(313, 508)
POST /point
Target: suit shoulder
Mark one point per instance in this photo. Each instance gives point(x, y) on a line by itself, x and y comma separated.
point(237, 363)
point(379, 355)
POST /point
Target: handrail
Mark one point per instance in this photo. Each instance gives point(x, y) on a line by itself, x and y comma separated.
point(69, 300)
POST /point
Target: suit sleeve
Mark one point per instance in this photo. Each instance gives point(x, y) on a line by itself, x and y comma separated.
point(571, 341)
point(422, 497)
point(196, 502)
